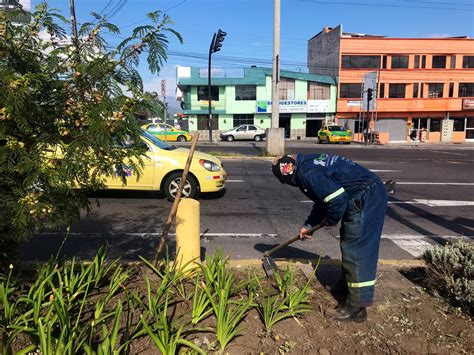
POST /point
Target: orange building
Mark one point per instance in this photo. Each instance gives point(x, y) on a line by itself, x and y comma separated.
point(422, 84)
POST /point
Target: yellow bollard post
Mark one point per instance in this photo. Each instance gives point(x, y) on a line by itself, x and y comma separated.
point(188, 244)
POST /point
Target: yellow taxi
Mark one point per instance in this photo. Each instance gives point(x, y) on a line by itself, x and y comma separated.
point(163, 167)
point(334, 134)
point(166, 132)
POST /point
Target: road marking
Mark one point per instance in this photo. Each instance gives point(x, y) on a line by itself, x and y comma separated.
point(384, 171)
point(404, 203)
point(444, 203)
point(438, 151)
point(154, 234)
point(235, 181)
point(430, 203)
point(435, 183)
point(417, 244)
point(414, 244)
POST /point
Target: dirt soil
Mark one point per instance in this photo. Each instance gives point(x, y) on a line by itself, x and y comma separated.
point(404, 319)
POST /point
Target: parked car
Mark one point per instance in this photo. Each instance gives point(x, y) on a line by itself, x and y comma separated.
point(334, 134)
point(163, 166)
point(166, 132)
point(245, 131)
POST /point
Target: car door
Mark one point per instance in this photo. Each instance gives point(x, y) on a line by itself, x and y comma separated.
point(240, 133)
point(251, 132)
point(125, 172)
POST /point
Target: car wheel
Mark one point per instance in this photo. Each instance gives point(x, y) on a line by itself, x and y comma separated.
point(171, 186)
point(257, 138)
point(229, 138)
point(181, 139)
point(320, 141)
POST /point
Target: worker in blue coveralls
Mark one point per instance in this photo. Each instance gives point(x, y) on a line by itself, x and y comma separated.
point(342, 191)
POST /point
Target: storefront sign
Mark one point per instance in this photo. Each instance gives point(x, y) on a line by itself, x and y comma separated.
point(294, 106)
point(318, 106)
point(468, 104)
point(352, 103)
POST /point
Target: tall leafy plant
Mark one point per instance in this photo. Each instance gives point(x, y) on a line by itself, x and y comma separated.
point(64, 114)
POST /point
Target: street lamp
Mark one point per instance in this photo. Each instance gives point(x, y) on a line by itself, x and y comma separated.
point(215, 46)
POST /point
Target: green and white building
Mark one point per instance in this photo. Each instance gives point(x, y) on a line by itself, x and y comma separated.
point(243, 96)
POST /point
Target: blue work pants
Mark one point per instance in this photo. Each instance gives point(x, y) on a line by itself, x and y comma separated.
point(361, 229)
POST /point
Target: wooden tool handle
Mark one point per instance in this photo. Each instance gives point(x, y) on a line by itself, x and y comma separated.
point(292, 240)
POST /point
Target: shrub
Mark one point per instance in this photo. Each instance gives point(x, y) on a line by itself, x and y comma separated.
point(450, 272)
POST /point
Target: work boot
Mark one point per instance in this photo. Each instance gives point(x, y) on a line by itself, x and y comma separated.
point(349, 313)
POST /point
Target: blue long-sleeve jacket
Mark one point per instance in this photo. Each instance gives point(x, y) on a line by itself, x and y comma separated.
point(330, 181)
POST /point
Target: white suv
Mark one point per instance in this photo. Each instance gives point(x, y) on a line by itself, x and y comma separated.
point(246, 131)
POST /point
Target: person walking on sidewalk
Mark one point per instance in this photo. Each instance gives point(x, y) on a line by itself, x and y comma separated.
point(342, 191)
point(414, 137)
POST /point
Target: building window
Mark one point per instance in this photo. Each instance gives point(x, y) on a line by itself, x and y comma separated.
point(415, 90)
point(203, 93)
point(245, 92)
point(203, 122)
point(439, 61)
point(451, 89)
point(286, 89)
point(350, 91)
point(417, 62)
point(361, 61)
point(318, 91)
point(420, 123)
point(466, 89)
point(399, 62)
point(468, 61)
point(435, 125)
point(422, 90)
point(458, 125)
point(382, 90)
point(384, 62)
point(435, 89)
point(396, 91)
point(453, 62)
point(423, 61)
point(242, 119)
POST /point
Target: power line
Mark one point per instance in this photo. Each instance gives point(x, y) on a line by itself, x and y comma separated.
point(140, 21)
point(389, 5)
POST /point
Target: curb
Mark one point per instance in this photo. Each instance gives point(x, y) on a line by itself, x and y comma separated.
point(251, 263)
point(324, 262)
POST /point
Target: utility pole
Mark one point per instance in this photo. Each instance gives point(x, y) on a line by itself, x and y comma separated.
point(75, 37)
point(276, 65)
point(275, 144)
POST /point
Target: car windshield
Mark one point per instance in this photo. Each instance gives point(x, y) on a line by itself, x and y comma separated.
point(159, 143)
point(336, 129)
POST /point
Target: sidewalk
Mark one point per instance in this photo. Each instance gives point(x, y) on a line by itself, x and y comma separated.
point(312, 143)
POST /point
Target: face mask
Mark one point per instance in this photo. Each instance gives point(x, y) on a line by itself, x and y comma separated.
point(283, 169)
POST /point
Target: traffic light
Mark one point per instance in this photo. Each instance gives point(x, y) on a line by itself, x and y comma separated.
point(219, 39)
point(369, 94)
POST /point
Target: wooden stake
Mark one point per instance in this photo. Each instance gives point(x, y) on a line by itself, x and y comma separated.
point(174, 207)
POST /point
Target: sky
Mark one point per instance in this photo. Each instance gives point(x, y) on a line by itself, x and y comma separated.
point(249, 26)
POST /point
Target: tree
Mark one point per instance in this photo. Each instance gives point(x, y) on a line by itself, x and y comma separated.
point(65, 114)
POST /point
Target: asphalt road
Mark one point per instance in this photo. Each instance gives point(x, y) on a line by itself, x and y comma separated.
point(434, 203)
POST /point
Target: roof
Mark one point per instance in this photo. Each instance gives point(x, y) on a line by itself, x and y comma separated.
point(248, 76)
